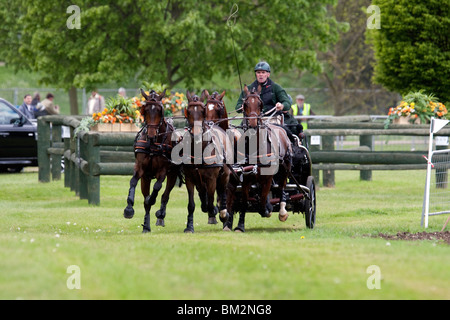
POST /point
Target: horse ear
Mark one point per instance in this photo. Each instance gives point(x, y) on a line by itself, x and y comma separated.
point(259, 89)
point(245, 90)
point(162, 95)
point(222, 95)
point(205, 95)
point(144, 95)
point(188, 95)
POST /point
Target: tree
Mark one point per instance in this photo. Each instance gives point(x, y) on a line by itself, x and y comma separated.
point(412, 47)
point(167, 41)
point(348, 64)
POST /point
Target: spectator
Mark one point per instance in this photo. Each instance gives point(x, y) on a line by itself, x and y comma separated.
point(36, 100)
point(303, 109)
point(96, 102)
point(26, 107)
point(47, 106)
point(123, 92)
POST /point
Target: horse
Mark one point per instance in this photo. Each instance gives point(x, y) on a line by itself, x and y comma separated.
point(153, 146)
point(272, 148)
point(206, 171)
point(216, 113)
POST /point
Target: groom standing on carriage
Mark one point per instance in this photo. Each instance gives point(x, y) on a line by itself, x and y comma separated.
point(272, 96)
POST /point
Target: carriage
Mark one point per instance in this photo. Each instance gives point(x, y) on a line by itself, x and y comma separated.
point(300, 187)
point(290, 187)
point(245, 183)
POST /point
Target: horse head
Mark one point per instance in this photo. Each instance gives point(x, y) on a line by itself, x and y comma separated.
point(195, 112)
point(253, 106)
point(153, 112)
point(215, 109)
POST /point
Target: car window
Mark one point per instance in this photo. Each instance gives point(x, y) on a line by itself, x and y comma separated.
point(7, 114)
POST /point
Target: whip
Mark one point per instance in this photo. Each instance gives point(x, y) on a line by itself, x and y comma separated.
point(231, 22)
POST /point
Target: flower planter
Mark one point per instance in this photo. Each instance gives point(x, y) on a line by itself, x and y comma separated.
point(405, 120)
point(115, 127)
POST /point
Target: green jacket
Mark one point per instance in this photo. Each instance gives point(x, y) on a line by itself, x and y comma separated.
point(271, 93)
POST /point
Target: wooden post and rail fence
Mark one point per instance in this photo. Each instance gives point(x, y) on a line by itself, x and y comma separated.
point(93, 154)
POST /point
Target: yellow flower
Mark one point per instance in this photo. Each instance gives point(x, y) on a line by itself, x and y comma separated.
point(302, 237)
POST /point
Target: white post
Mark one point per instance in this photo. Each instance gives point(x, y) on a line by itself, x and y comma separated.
point(426, 208)
point(435, 126)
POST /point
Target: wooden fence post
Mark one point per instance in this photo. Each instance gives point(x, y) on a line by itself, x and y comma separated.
point(56, 159)
point(43, 145)
point(328, 174)
point(84, 181)
point(367, 141)
point(93, 158)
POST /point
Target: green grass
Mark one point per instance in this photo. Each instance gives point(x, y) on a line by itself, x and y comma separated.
point(45, 228)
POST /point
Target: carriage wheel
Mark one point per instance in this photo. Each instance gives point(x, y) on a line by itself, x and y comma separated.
point(310, 205)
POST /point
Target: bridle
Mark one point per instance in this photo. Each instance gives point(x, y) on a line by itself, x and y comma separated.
point(158, 125)
point(253, 114)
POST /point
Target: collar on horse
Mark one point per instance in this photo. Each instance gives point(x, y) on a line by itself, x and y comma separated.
point(148, 146)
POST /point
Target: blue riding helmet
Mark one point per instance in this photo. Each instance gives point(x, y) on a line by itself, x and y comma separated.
point(262, 66)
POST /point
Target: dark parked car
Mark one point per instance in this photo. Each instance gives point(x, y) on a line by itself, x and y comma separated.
point(18, 139)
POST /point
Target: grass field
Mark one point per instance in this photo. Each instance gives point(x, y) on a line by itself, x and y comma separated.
point(45, 228)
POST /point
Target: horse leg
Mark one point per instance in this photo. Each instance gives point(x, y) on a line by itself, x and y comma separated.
point(145, 188)
point(191, 207)
point(161, 213)
point(241, 224)
point(231, 198)
point(128, 213)
point(210, 188)
point(283, 214)
point(265, 208)
point(222, 195)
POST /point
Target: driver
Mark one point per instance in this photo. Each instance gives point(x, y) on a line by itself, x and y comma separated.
point(272, 95)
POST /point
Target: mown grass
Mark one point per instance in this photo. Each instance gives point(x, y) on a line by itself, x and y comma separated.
point(45, 228)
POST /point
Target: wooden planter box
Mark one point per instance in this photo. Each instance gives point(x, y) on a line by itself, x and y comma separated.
point(405, 120)
point(115, 127)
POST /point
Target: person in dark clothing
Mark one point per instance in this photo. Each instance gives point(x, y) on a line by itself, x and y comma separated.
point(26, 107)
point(272, 96)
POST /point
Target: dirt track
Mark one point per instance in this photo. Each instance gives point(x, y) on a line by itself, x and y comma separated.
point(445, 236)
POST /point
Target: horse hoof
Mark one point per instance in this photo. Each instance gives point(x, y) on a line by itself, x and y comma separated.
point(239, 230)
point(128, 213)
point(160, 222)
point(212, 220)
point(266, 214)
point(160, 215)
point(146, 230)
point(226, 228)
point(188, 230)
point(282, 217)
point(224, 216)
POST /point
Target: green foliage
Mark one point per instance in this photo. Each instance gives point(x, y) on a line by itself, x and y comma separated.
point(85, 124)
point(412, 48)
point(167, 41)
point(157, 87)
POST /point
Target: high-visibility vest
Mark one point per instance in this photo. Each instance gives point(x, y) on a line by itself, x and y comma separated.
point(306, 112)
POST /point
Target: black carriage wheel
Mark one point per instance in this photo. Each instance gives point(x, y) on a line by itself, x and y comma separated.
point(310, 205)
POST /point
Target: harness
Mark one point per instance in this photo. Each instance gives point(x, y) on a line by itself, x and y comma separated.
point(151, 147)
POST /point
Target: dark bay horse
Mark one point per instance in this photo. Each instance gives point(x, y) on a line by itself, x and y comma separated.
point(267, 150)
point(216, 113)
point(153, 146)
point(205, 170)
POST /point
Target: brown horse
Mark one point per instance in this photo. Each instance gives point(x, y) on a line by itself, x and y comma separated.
point(153, 146)
point(268, 152)
point(205, 169)
point(216, 112)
